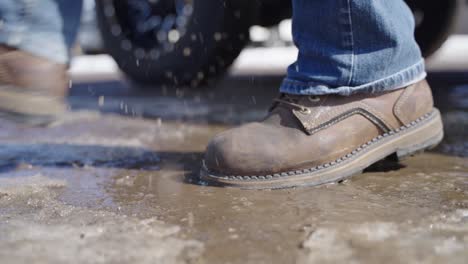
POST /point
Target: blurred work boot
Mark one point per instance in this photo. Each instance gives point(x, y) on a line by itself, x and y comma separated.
point(32, 89)
point(310, 140)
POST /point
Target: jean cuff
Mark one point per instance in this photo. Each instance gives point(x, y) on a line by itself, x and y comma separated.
point(395, 81)
point(49, 45)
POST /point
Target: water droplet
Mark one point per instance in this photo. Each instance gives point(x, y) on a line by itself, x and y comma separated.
point(187, 52)
point(154, 54)
point(101, 100)
point(173, 36)
point(217, 36)
point(126, 44)
point(109, 10)
point(140, 53)
point(200, 75)
point(116, 30)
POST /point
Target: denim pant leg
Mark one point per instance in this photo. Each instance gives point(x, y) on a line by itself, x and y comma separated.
point(353, 46)
point(45, 28)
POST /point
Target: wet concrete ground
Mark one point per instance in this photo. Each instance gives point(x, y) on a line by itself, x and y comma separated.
point(116, 182)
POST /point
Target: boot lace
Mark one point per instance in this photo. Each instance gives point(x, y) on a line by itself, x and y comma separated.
point(292, 101)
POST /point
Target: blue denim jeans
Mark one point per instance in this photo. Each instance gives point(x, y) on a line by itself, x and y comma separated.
point(345, 46)
point(351, 46)
point(46, 28)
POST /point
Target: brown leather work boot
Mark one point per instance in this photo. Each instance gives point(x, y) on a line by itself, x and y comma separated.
point(311, 140)
point(32, 89)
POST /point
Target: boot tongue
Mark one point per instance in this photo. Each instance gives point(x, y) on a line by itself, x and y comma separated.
point(280, 115)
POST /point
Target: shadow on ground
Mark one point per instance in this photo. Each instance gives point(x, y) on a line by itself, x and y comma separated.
point(71, 155)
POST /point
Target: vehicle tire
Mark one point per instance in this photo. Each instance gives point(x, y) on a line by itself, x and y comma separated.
point(180, 42)
point(435, 21)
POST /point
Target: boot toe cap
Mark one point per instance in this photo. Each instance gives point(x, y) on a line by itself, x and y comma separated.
point(243, 151)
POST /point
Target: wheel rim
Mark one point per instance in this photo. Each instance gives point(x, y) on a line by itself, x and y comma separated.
point(149, 25)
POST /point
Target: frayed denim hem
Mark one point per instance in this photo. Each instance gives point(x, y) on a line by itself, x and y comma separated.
point(398, 80)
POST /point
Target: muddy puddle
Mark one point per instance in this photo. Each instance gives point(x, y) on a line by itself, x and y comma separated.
point(121, 186)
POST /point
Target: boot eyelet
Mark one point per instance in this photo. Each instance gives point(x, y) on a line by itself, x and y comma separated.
point(314, 99)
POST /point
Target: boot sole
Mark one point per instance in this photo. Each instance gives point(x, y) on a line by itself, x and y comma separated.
point(29, 107)
point(30, 120)
point(424, 133)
